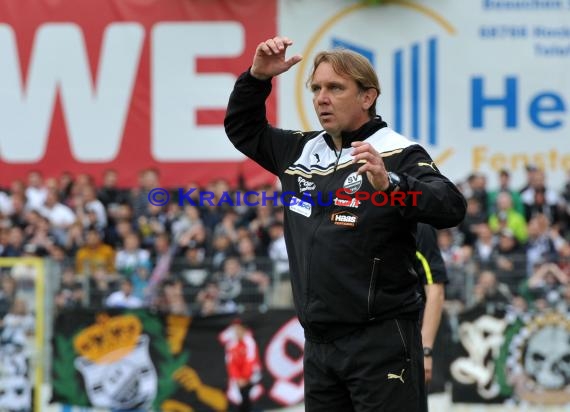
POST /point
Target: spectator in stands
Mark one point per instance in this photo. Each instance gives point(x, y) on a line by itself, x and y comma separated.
point(89, 210)
point(59, 215)
point(564, 210)
point(477, 188)
point(75, 239)
point(474, 218)
point(131, 256)
point(278, 250)
point(17, 215)
point(564, 258)
point(452, 254)
point(192, 266)
point(509, 260)
point(8, 288)
point(15, 245)
point(536, 202)
point(119, 231)
point(161, 260)
point(540, 247)
point(101, 284)
point(5, 204)
point(19, 318)
point(152, 224)
point(124, 297)
point(171, 297)
point(70, 294)
point(228, 225)
point(531, 176)
point(507, 217)
point(211, 214)
point(194, 237)
point(186, 222)
point(148, 180)
point(64, 184)
point(222, 249)
point(94, 255)
point(210, 303)
point(230, 279)
point(505, 186)
point(36, 192)
point(540, 199)
point(251, 259)
point(42, 238)
point(259, 226)
point(489, 291)
point(484, 246)
point(110, 194)
point(545, 287)
point(141, 281)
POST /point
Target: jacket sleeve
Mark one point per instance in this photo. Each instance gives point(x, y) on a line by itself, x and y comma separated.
point(432, 266)
point(247, 127)
point(438, 201)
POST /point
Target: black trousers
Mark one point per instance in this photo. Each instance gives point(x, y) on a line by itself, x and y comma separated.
point(378, 368)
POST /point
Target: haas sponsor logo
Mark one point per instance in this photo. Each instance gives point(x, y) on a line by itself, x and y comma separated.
point(305, 184)
point(344, 219)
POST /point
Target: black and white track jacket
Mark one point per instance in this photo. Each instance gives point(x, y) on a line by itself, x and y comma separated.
point(351, 263)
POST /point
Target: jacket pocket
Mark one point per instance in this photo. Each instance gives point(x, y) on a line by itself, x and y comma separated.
point(372, 287)
point(403, 339)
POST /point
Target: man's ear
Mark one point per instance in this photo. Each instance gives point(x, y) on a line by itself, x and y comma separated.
point(369, 96)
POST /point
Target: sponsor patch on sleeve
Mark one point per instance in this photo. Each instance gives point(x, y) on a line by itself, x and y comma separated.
point(299, 206)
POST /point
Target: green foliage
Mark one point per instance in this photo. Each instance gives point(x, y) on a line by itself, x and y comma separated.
point(67, 386)
point(500, 363)
point(166, 361)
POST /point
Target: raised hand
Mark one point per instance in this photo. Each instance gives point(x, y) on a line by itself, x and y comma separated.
point(374, 166)
point(270, 60)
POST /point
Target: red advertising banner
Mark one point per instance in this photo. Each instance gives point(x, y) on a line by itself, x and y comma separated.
point(89, 85)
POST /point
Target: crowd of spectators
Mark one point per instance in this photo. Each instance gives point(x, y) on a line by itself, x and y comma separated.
point(514, 241)
point(115, 249)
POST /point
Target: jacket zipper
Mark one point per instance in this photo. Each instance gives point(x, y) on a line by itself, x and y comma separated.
point(403, 340)
point(372, 289)
point(310, 253)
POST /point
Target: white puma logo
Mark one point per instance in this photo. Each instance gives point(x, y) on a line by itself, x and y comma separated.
point(428, 165)
point(394, 376)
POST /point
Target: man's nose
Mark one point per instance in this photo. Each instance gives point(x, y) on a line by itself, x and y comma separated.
point(322, 97)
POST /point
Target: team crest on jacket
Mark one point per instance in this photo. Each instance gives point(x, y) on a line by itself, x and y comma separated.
point(305, 184)
point(352, 183)
point(344, 219)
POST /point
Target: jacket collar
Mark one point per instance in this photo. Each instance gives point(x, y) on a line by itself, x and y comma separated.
point(362, 133)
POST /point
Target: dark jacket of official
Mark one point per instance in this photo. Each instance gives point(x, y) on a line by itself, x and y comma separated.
point(351, 263)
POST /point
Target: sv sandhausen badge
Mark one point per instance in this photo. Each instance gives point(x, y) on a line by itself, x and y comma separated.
point(344, 218)
point(352, 183)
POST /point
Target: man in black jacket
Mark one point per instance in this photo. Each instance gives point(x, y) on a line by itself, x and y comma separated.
point(351, 259)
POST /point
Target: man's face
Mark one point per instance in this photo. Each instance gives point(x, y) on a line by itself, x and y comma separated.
point(339, 103)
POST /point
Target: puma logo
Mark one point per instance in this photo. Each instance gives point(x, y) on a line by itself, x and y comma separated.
point(428, 165)
point(394, 376)
point(317, 156)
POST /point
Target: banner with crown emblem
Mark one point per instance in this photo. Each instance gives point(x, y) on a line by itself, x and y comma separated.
point(138, 360)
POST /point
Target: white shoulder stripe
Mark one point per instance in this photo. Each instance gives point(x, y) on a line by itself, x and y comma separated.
point(387, 140)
